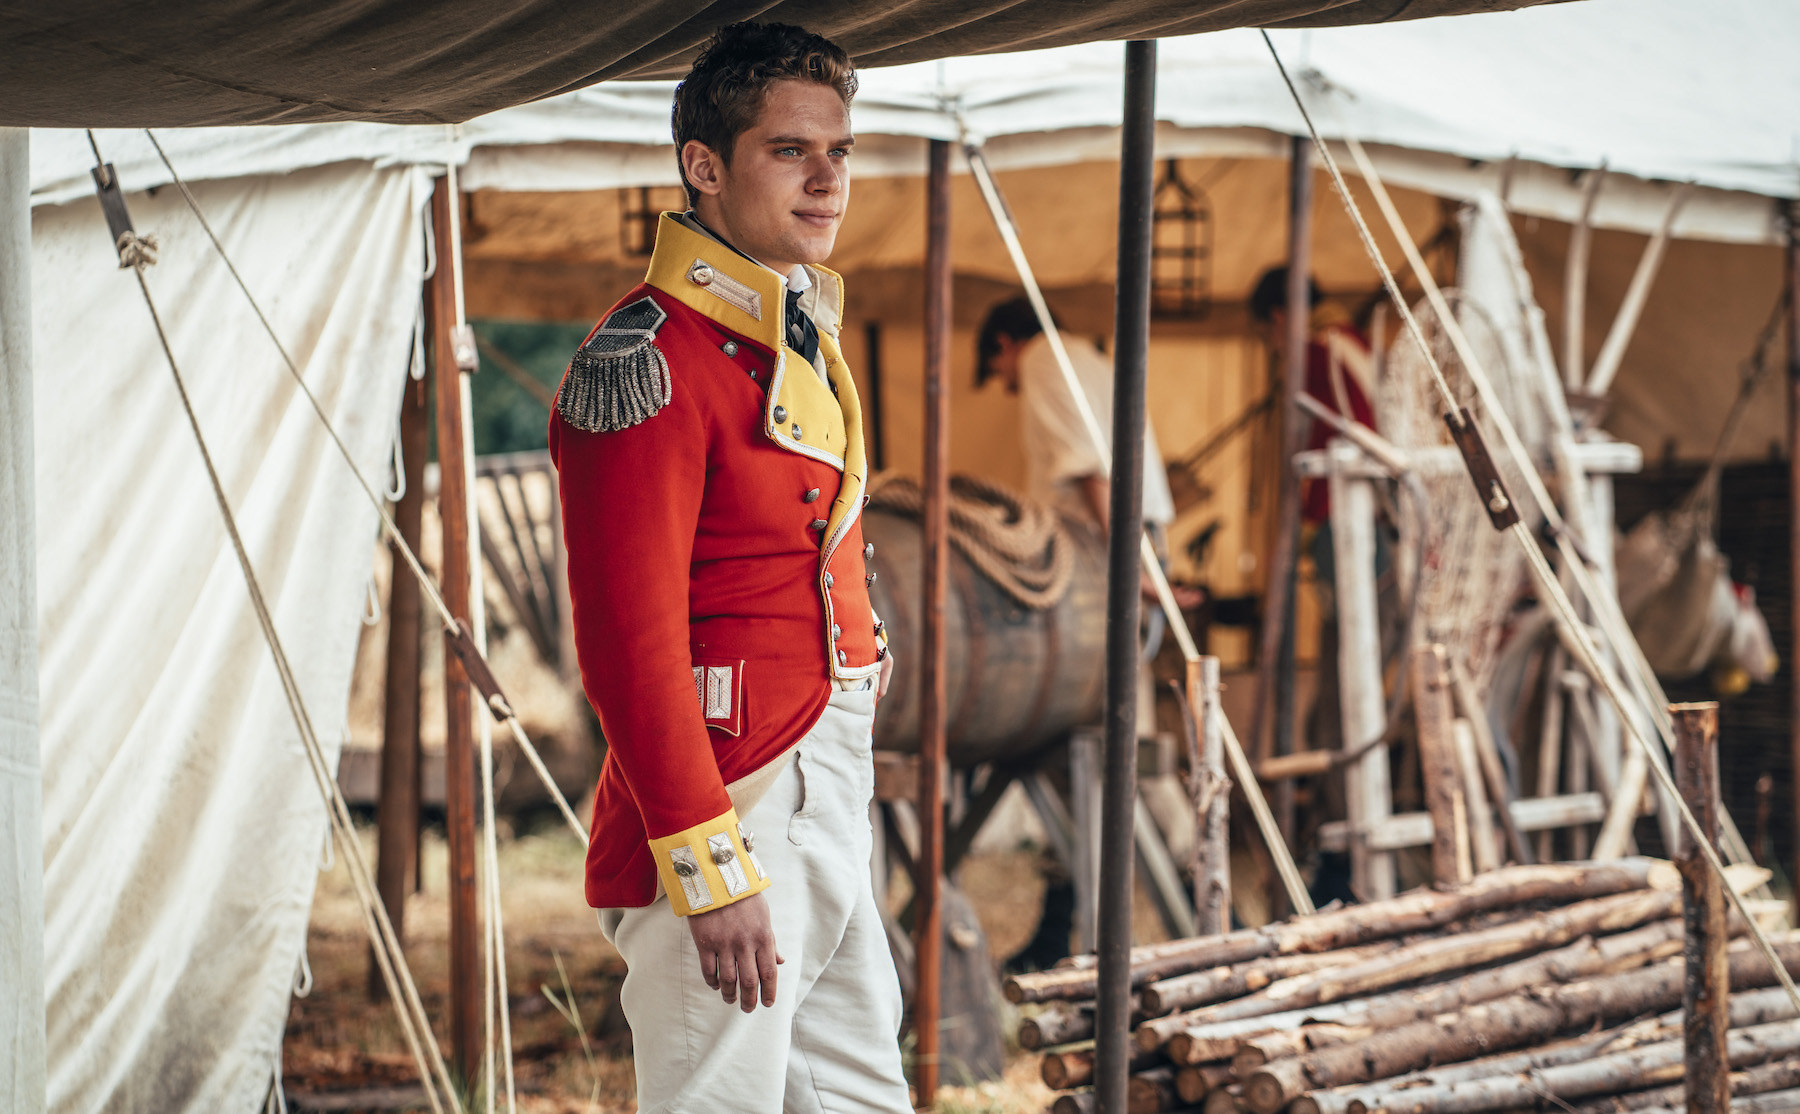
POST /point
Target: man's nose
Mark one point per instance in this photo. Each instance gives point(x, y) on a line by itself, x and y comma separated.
point(825, 178)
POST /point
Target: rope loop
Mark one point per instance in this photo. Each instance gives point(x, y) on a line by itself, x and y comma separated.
point(1021, 545)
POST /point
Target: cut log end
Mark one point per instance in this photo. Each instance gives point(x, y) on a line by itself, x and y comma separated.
point(1265, 1093)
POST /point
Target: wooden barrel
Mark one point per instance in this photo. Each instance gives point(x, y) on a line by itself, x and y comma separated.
point(1018, 678)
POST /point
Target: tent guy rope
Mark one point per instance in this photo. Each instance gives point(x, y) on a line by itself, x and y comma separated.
point(1577, 634)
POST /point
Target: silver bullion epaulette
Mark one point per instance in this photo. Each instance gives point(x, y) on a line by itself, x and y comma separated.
point(619, 377)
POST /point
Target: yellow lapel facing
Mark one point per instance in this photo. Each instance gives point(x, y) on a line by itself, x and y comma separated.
point(802, 414)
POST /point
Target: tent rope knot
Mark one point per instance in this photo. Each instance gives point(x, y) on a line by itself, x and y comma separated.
point(135, 251)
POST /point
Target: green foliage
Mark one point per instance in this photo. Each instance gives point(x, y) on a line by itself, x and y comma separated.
point(506, 418)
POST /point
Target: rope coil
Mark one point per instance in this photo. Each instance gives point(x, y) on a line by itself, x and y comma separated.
point(1020, 545)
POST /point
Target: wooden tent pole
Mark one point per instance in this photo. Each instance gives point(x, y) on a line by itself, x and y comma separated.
point(397, 809)
point(1131, 331)
point(934, 709)
point(1275, 649)
point(459, 720)
point(1793, 378)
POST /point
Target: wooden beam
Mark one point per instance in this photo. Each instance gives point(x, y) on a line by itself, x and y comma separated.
point(1367, 791)
point(934, 710)
point(397, 809)
point(1413, 829)
point(459, 721)
point(1706, 992)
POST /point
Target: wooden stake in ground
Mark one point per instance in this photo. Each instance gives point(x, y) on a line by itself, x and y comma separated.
point(1450, 857)
point(1706, 994)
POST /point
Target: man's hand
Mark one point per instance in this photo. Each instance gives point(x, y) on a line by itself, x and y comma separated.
point(737, 951)
point(887, 674)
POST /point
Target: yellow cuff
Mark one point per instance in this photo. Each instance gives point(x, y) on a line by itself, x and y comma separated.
point(708, 866)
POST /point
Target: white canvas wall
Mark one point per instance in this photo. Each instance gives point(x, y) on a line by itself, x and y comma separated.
point(21, 836)
point(182, 829)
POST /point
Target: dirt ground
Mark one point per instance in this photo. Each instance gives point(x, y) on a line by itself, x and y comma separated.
point(343, 1049)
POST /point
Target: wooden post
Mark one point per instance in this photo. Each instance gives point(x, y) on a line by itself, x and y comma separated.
point(934, 710)
point(459, 719)
point(1212, 857)
point(1367, 791)
point(1706, 996)
point(1444, 797)
point(1275, 650)
point(1793, 416)
point(397, 808)
point(1131, 329)
point(876, 426)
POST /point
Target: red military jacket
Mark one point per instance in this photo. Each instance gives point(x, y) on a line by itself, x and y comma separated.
point(712, 487)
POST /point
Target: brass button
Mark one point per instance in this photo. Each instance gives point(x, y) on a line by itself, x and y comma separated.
point(812, 495)
point(818, 524)
point(837, 632)
point(730, 348)
point(723, 855)
point(700, 275)
point(880, 652)
point(779, 414)
point(843, 658)
point(829, 580)
point(753, 373)
point(686, 869)
point(869, 579)
point(880, 626)
point(749, 840)
point(868, 550)
point(796, 431)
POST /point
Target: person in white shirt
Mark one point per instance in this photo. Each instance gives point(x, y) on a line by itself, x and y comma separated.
point(1063, 467)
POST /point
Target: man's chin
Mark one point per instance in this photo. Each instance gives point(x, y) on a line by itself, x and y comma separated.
point(814, 249)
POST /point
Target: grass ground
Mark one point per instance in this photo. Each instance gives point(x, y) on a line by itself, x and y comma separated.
point(341, 1040)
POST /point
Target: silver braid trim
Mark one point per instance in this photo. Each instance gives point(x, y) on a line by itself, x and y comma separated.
point(619, 377)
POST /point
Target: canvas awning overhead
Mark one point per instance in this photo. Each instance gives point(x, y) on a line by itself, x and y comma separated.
point(116, 63)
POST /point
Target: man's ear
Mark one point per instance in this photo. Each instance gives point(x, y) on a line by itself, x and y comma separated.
point(704, 168)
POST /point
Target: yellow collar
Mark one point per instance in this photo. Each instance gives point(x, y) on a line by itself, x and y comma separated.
point(738, 293)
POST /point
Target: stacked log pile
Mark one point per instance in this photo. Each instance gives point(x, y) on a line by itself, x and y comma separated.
point(1539, 987)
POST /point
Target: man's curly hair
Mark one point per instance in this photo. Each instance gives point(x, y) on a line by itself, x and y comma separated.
point(721, 96)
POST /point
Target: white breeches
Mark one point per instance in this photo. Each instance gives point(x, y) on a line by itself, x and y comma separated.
point(830, 1044)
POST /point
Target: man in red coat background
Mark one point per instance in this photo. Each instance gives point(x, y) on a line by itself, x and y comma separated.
point(709, 448)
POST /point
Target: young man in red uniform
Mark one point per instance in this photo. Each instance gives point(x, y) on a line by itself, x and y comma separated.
point(709, 449)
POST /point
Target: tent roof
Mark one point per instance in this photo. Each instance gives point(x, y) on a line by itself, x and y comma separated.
point(120, 63)
point(1657, 90)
